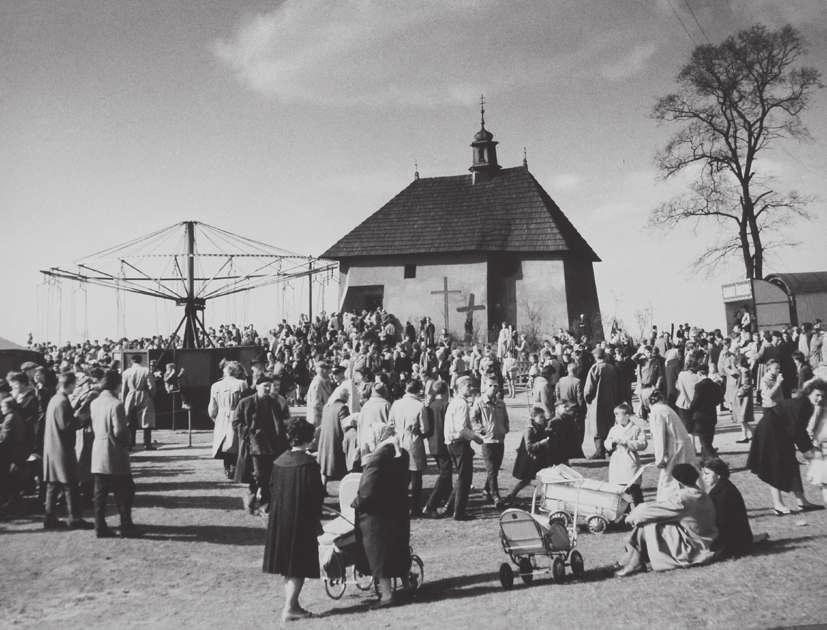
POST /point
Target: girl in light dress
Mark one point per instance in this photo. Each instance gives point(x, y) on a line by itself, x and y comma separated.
point(625, 441)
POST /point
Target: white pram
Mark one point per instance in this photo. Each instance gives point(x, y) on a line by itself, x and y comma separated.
point(562, 494)
point(340, 549)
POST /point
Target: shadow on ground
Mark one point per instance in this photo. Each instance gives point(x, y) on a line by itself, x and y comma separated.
point(221, 535)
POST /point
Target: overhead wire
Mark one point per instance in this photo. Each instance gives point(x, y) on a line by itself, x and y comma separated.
point(685, 30)
point(695, 17)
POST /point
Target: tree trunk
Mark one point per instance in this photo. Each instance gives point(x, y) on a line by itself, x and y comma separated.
point(756, 267)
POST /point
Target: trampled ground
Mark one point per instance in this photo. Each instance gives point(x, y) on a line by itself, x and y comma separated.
point(199, 565)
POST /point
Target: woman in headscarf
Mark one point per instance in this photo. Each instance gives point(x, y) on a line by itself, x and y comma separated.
point(671, 443)
point(382, 515)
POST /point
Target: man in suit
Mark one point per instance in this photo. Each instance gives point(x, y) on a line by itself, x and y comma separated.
point(569, 394)
point(412, 421)
point(602, 394)
point(110, 458)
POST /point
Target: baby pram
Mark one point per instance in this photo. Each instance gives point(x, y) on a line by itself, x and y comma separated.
point(341, 553)
point(537, 548)
point(565, 496)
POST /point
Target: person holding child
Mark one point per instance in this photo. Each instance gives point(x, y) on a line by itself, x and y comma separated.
point(625, 441)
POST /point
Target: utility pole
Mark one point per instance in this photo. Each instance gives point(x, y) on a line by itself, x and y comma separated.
point(310, 290)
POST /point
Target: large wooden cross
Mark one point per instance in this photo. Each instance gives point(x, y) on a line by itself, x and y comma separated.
point(445, 293)
point(469, 311)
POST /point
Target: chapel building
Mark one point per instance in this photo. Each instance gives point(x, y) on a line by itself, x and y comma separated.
point(471, 252)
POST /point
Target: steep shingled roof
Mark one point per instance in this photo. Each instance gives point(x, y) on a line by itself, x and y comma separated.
point(437, 215)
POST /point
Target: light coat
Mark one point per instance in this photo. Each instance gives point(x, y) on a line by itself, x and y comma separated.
point(411, 419)
point(679, 531)
point(110, 448)
point(138, 390)
point(671, 444)
point(60, 463)
point(318, 393)
point(224, 397)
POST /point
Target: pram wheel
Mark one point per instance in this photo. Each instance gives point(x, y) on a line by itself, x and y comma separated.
point(417, 573)
point(561, 517)
point(506, 575)
point(335, 586)
point(597, 524)
point(526, 571)
point(576, 564)
point(558, 569)
point(363, 582)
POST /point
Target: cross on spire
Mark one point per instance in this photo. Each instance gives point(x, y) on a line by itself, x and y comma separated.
point(482, 111)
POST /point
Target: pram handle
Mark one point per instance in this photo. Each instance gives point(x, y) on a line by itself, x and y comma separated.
point(337, 513)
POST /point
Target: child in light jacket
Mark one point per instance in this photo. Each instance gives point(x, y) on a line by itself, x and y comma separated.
point(625, 440)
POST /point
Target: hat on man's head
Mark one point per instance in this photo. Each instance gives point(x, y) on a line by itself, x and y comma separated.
point(686, 474)
point(338, 369)
point(29, 365)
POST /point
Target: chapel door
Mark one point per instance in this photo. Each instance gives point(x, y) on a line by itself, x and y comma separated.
point(503, 272)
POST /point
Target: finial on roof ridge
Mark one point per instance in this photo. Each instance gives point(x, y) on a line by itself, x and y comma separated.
point(525, 158)
point(416, 170)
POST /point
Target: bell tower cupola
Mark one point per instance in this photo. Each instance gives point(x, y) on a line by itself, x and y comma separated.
point(484, 164)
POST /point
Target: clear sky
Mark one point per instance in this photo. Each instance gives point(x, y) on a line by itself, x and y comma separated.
point(291, 122)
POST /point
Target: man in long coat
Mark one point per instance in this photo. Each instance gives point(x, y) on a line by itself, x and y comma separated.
point(60, 464)
point(224, 398)
point(138, 390)
point(110, 457)
point(331, 453)
point(438, 448)
point(602, 396)
point(259, 421)
point(410, 417)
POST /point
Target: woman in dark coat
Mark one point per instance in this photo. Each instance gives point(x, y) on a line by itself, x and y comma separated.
point(292, 548)
point(734, 533)
point(772, 451)
point(382, 514)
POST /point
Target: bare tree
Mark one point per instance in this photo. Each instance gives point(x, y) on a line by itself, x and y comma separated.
point(734, 100)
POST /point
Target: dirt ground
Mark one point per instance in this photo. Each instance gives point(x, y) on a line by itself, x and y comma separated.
point(199, 565)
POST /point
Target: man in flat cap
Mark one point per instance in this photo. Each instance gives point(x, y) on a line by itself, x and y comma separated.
point(602, 395)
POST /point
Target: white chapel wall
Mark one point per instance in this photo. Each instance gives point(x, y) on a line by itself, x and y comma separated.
point(541, 298)
point(411, 298)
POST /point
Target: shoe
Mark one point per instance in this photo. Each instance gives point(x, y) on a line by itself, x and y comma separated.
point(149, 447)
point(382, 603)
point(809, 507)
point(430, 514)
point(782, 511)
point(743, 441)
point(463, 517)
point(294, 615)
point(130, 532)
point(630, 570)
point(80, 524)
point(54, 524)
point(500, 504)
point(597, 456)
point(105, 533)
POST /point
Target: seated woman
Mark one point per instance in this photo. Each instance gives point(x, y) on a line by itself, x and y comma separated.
point(677, 532)
point(734, 534)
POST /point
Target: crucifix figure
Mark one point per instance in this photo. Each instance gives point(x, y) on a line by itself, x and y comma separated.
point(445, 293)
point(469, 315)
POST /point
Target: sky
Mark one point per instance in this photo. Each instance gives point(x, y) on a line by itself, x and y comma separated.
point(291, 122)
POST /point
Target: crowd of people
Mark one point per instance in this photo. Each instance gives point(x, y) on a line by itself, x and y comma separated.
point(368, 381)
